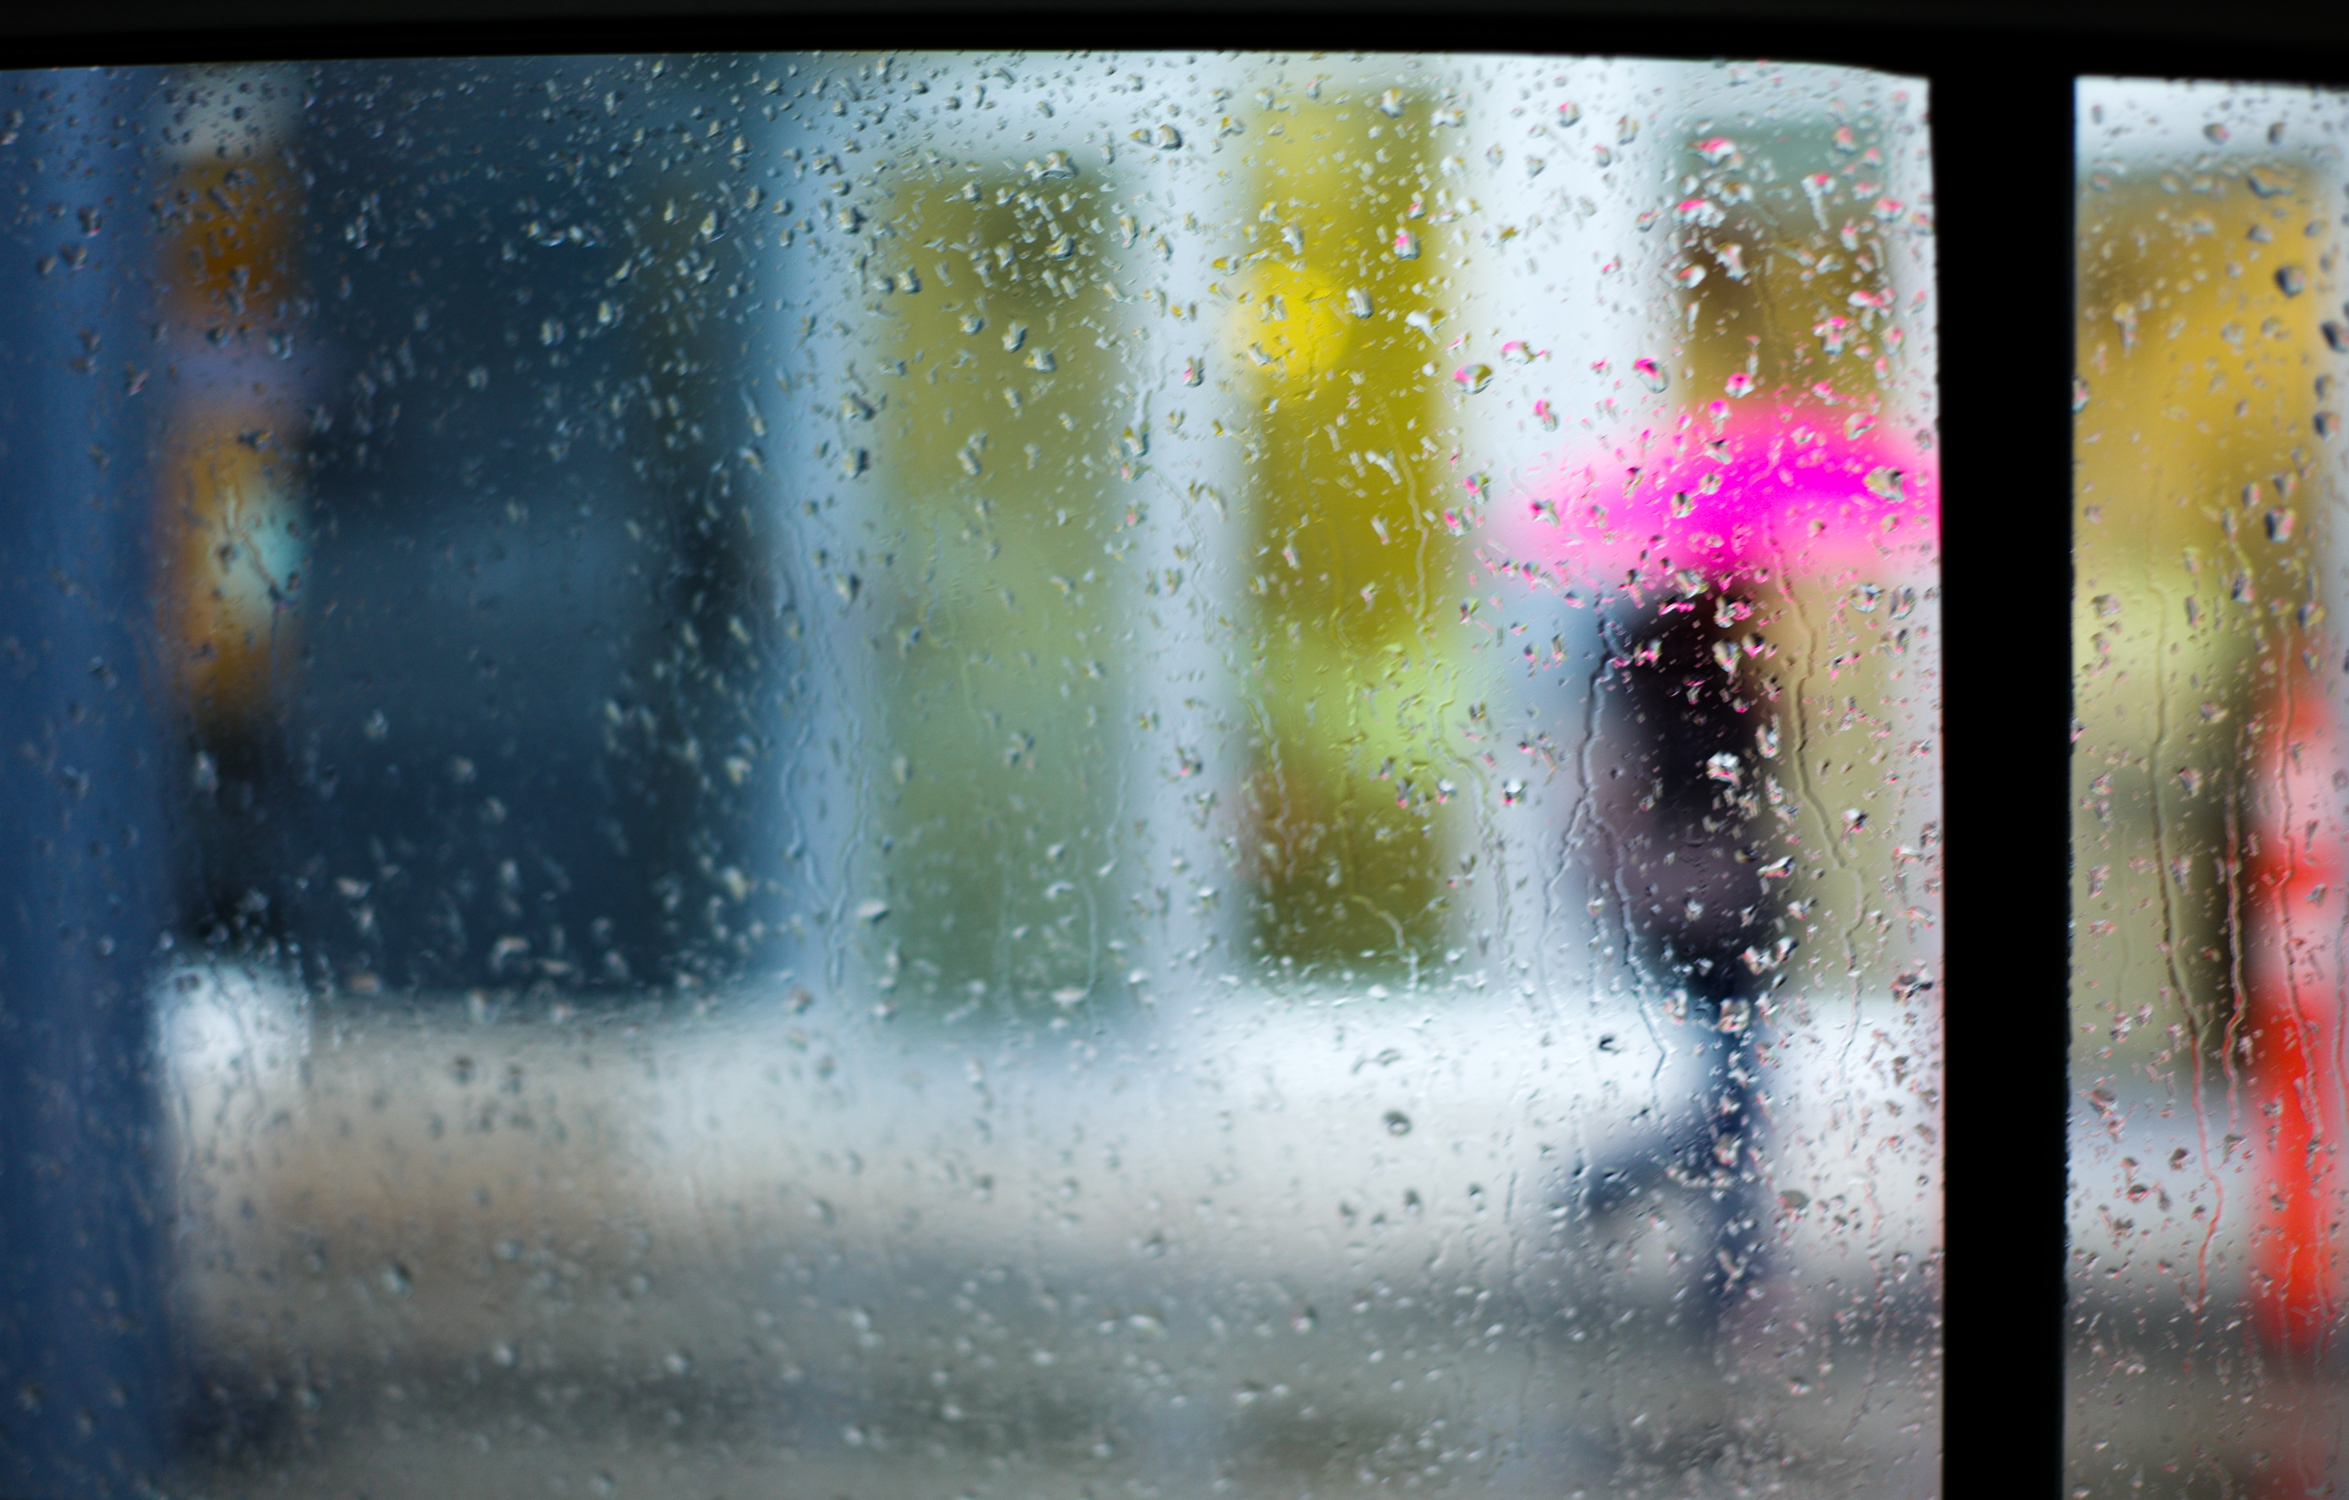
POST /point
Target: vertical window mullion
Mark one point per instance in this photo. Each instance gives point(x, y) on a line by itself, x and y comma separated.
point(2002, 147)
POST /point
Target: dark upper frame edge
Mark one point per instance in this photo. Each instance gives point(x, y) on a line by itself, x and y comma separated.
point(2153, 38)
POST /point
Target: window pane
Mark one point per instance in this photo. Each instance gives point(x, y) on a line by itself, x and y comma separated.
point(2206, 1267)
point(988, 775)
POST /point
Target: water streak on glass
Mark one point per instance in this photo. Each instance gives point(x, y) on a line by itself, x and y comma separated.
point(2210, 777)
point(1001, 775)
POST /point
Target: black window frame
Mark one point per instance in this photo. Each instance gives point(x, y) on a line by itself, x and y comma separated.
point(2002, 78)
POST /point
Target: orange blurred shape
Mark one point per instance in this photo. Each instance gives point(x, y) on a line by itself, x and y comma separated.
point(232, 227)
point(232, 545)
point(234, 564)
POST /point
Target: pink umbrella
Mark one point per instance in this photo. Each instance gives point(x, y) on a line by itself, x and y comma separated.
point(1720, 499)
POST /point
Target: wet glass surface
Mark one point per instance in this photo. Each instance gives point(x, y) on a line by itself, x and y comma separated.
point(2209, 777)
point(986, 774)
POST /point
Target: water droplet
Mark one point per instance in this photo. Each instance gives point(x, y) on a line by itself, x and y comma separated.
point(2214, 133)
point(2279, 525)
point(1650, 374)
point(1887, 482)
point(1042, 361)
point(1358, 302)
point(1166, 138)
point(1406, 245)
point(972, 322)
point(1193, 372)
point(1390, 104)
point(1014, 336)
point(2291, 280)
point(1398, 1123)
point(2266, 182)
point(1725, 767)
point(1701, 212)
point(1544, 415)
point(1739, 384)
point(872, 911)
point(1473, 378)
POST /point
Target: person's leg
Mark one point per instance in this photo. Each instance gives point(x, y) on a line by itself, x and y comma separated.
point(1677, 773)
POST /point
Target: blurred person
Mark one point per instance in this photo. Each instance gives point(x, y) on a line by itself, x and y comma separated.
point(227, 478)
point(1674, 830)
point(2291, 1036)
point(2287, 1042)
point(1701, 548)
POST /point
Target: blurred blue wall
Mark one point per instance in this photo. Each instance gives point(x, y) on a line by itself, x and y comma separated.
point(83, 1337)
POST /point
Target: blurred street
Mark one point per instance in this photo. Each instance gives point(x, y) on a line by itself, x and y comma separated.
point(1252, 1244)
